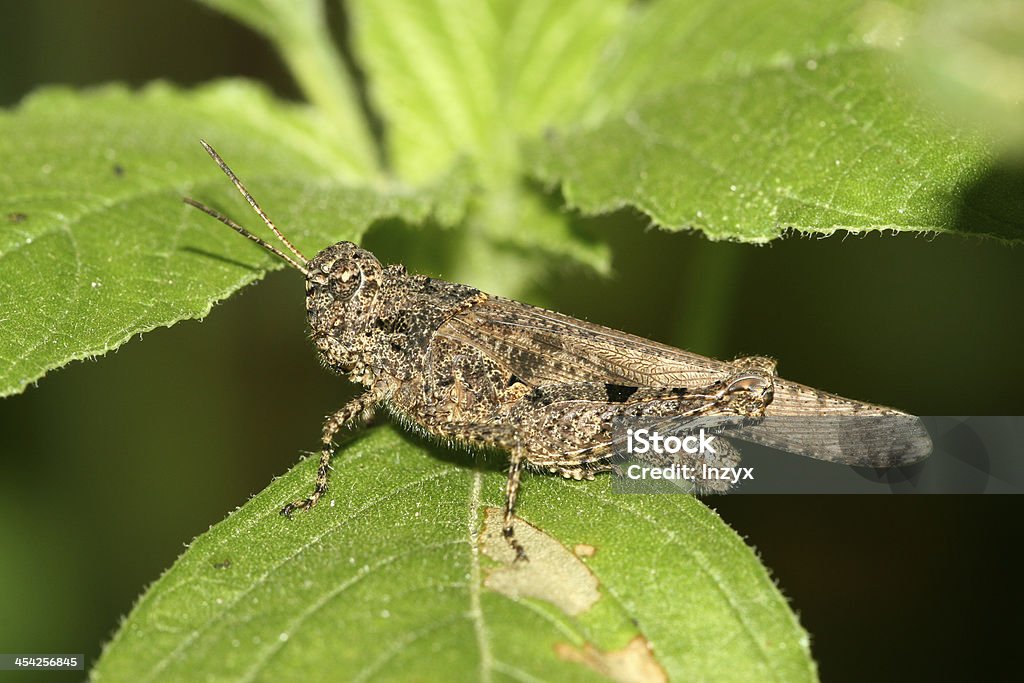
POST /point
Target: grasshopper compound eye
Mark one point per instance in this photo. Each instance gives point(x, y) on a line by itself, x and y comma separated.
point(344, 271)
point(752, 384)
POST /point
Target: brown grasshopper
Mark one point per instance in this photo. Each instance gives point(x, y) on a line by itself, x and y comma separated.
point(478, 370)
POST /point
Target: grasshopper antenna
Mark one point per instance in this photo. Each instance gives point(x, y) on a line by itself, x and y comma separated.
point(299, 265)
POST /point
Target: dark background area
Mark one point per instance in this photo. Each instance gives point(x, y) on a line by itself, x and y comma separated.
point(110, 467)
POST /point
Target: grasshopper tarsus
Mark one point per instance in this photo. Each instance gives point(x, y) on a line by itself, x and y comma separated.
point(509, 533)
point(290, 508)
point(334, 423)
point(319, 489)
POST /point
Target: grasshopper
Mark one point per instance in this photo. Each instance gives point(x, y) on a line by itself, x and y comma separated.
point(483, 371)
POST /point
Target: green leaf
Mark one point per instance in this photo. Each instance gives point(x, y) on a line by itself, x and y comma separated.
point(970, 59)
point(469, 77)
point(781, 148)
point(299, 31)
point(664, 44)
point(402, 568)
point(468, 80)
point(97, 245)
point(748, 119)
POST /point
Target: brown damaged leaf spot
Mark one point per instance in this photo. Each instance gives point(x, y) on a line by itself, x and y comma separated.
point(634, 663)
point(553, 573)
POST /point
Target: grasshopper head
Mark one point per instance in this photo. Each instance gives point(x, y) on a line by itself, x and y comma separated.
point(341, 283)
point(341, 289)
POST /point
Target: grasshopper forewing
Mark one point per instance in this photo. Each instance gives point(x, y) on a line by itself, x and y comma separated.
point(543, 347)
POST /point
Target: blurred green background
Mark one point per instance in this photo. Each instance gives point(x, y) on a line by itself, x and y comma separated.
point(101, 485)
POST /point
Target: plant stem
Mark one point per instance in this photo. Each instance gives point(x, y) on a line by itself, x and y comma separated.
point(327, 83)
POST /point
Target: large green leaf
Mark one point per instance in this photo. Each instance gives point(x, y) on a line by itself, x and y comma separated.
point(468, 77)
point(664, 44)
point(299, 31)
point(401, 572)
point(97, 245)
point(804, 121)
point(789, 147)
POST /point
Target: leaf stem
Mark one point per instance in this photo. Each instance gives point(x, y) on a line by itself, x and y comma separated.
point(328, 85)
point(299, 31)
